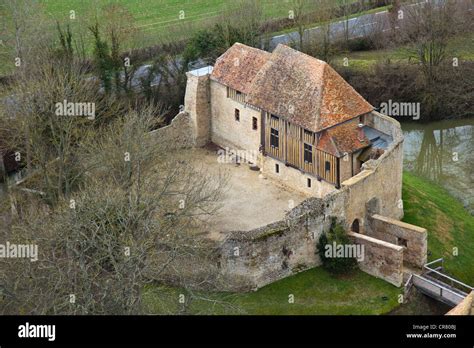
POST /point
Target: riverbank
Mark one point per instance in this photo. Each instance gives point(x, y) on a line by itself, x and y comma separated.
point(450, 226)
point(442, 152)
point(317, 292)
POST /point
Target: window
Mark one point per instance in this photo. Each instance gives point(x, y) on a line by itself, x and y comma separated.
point(274, 137)
point(309, 183)
point(254, 123)
point(327, 166)
point(237, 115)
point(238, 93)
point(308, 153)
point(277, 168)
point(274, 118)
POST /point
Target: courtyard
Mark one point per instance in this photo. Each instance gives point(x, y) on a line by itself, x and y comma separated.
point(249, 200)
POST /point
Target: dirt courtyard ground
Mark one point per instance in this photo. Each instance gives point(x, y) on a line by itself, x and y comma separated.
point(249, 200)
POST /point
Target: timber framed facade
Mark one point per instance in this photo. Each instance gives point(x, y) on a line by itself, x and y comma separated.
point(297, 147)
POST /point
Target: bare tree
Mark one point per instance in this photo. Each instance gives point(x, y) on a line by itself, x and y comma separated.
point(300, 15)
point(321, 44)
point(427, 28)
point(43, 134)
point(135, 215)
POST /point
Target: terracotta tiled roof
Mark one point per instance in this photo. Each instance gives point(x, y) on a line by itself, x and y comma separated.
point(340, 101)
point(292, 85)
point(238, 66)
point(344, 138)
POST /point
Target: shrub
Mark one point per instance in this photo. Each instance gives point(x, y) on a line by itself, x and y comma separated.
point(336, 265)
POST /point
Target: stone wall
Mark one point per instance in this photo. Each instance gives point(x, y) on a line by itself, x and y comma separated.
point(252, 259)
point(466, 307)
point(398, 232)
point(197, 105)
point(381, 259)
point(225, 130)
point(293, 178)
point(176, 135)
point(379, 182)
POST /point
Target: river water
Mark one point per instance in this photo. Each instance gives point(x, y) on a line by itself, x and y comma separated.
point(444, 153)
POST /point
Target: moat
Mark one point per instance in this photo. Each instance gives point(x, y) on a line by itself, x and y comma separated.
point(443, 152)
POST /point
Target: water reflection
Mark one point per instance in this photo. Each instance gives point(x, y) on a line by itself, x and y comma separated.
point(444, 153)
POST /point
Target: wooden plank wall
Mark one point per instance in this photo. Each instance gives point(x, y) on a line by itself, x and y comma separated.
point(291, 149)
point(323, 157)
point(278, 124)
point(232, 93)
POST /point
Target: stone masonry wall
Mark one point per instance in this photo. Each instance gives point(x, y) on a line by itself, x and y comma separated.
point(380, 181)
point(252, 259)
point(197, 105)
point(293, 178)
point(381, 259)
point(225, 130)
point(390, 230)
point(176, 135)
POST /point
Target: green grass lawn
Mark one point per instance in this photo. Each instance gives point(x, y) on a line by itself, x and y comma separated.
point(449, 225)
point(315, 292)
point(318, 292)
point(461, 47)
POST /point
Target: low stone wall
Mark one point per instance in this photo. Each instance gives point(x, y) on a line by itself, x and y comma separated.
point(176, 135)
point(398, 232)
point(252, 259)
point(381, 259)
point(466, 307)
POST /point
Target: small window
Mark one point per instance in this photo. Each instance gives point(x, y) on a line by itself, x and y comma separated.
point(309, 183)
point(277, 168)
point(237, 115)
point(327, 166)
point(238, 93)
point(254, 123)
point(274, 135)
point(308, 153)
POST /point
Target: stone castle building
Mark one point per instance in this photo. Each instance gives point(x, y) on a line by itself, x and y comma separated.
point(306, 130)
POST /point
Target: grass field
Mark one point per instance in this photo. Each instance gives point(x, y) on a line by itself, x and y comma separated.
point(461, 47)
point(157, 21)
point(156, 14)
point(449, 225)
point(317, 292)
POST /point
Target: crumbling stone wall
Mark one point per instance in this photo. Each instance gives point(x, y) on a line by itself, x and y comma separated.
point(176, 135)
point(252, 259)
